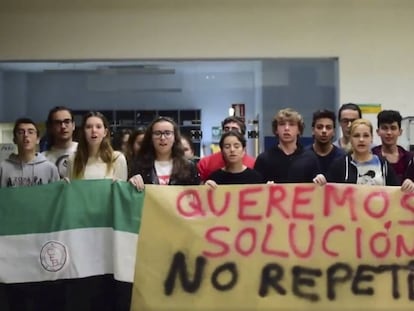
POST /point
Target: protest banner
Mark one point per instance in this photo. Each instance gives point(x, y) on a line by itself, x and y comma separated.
point(275, 247)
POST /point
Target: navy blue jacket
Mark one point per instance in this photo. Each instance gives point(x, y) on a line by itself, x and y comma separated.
point(299, 167)
point(343, 170)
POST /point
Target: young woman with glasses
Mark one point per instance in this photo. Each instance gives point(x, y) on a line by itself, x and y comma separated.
point(161, 158)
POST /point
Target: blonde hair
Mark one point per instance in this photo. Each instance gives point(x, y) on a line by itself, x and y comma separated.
point(359, 122)
point(288, 114)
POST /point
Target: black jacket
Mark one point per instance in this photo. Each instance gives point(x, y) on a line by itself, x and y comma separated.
point(299, 167)
point(343, 170)
point(150, 176)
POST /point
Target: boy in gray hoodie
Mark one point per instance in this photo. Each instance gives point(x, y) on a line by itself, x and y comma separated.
point(27, 167)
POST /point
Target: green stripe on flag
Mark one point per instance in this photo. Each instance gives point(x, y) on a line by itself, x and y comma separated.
point(62, 206)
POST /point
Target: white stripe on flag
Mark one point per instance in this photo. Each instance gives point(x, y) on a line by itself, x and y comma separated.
point(69, 254)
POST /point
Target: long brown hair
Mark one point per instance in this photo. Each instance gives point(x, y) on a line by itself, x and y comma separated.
point(131, 142)
point(105, 152)
point(146, 155)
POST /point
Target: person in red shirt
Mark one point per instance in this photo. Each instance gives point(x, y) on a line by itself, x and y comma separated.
point(215, 161)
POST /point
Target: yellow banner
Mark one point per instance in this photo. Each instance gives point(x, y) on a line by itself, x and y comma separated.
point(275, 247)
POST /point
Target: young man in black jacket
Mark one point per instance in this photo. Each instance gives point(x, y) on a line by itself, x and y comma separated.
point(323, 131)
point(287, 162)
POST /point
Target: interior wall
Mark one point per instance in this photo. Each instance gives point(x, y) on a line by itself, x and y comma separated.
point(371, 38)
point(15, 88)
point(303, 85)
point(1, 95)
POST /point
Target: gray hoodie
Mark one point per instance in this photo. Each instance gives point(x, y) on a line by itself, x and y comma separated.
point(15, 173)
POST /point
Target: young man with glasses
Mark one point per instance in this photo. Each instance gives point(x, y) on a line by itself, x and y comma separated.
point(346, 115)
point(215, 161)
point(60, 128)
point(27, 167)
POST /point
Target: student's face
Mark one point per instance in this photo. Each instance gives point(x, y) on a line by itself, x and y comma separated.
point(62, 125)
point(26, 137)
point(138, 143)
point(345, 120)
point(163, 137)
point(389, 133)
point(231, 126)
point(287, 131)
point(124, 146)
point(95, 131)
point(232, 150)
point(361, 139)
point(188, 153)
point(323, 131)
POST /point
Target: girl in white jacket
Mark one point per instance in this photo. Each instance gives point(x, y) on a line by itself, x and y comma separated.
point(95, 158)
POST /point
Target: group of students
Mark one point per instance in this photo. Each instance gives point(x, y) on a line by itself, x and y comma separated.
point(352, 158)
point(160, 155)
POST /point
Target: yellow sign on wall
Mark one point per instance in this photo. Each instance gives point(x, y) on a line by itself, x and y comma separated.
point(370, 108)
point(275, 247)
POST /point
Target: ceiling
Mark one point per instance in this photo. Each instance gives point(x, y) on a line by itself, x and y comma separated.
point(133, 66)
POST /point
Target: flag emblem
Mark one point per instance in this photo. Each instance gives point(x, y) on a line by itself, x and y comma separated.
point(53, 256)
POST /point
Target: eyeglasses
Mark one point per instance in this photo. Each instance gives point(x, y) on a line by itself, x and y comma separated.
point(231, 128)
point(346, 121)
point(61, 122)
point(22, 132)
point(167, 134)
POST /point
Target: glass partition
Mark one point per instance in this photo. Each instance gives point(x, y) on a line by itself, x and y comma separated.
point(197, 93)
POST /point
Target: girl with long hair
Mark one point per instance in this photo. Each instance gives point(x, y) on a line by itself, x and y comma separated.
point(161, 158)
point(95, 158)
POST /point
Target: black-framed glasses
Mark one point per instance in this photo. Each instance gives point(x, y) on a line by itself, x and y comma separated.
point(346, 121)
point(231, 128)
point(166, 134)
point(62, 122)
point(22, 132)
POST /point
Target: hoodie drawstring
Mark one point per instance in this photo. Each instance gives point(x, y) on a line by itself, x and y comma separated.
point(346, 168)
